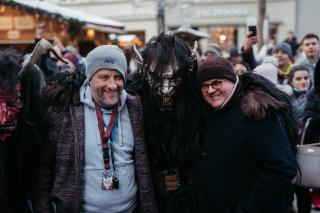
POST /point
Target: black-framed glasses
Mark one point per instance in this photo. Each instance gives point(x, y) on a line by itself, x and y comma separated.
point(217, 84)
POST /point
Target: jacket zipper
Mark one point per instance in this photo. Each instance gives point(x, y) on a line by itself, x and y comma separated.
point(77, 157)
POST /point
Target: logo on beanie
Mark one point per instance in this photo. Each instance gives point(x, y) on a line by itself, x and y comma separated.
point(108, 61)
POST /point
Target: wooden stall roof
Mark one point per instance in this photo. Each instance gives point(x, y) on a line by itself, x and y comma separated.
point(87, 20)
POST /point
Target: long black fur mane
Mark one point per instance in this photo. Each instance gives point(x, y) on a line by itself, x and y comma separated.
point(172, 136)
point(19, 154)
point(62, 90)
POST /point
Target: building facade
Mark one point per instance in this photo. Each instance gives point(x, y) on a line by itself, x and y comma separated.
point(307, 17)
point(224, 20)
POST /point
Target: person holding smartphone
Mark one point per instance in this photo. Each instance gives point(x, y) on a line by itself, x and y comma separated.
point(247, 50)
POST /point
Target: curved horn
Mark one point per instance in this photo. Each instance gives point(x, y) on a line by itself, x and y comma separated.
point(139, 59)
point(195, 46)
point(42, 47)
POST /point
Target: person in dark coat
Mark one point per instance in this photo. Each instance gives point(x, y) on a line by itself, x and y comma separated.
point(312, 109)
point(247, 51)
point(22, 130)
point(247, 161)
point(292, 41)
point(312, 113)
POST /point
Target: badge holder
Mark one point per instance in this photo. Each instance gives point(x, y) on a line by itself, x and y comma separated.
point(109, 180)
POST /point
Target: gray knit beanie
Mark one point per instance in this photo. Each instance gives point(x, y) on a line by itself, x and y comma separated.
point(108, 57)
point(285, 47)
point(214, 48)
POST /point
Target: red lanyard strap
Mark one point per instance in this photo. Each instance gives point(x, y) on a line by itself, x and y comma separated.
point(105, 134)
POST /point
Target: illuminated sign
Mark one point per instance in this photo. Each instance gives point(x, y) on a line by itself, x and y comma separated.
point(222, 13)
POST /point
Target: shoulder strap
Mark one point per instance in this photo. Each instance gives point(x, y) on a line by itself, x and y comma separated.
point(303, 135)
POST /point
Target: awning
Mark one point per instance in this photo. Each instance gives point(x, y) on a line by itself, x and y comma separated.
point(88, 20)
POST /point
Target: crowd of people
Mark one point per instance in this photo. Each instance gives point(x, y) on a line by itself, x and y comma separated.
point(184, 133)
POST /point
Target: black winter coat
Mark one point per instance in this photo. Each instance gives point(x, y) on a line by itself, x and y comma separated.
point(312, 109)
point(246, 164)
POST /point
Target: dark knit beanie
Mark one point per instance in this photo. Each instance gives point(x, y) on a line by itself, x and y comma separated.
point(216, 68)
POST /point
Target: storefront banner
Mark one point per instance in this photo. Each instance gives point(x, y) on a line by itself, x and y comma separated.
point(23, 22)
point(6, 23)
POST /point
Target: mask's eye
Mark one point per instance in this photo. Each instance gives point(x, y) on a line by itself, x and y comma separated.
point(177, 74)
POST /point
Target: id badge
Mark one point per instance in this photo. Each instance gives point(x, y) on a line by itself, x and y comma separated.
point(109, 180)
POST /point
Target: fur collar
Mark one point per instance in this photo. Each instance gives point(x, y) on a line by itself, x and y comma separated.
point(62, 90)
point(257, 103)
point(260, 97)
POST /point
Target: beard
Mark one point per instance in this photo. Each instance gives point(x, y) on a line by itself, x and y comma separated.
point(107, 98)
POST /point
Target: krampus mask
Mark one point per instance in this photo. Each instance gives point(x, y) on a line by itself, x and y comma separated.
point(11, 88)
point(164, 63)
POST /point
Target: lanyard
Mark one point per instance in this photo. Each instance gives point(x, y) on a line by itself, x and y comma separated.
point(105, 135)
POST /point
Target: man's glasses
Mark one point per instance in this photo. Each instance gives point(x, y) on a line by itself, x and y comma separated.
point(214, 84)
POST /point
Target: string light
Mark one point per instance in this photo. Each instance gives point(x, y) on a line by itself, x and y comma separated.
point(91, 33)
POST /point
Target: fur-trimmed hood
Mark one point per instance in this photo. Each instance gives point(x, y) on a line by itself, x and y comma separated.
point(256, 103)
point(260, 97)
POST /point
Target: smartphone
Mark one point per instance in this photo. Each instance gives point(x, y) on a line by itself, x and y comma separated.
point(253, 30)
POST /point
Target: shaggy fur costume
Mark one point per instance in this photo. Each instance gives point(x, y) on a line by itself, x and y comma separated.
point(62, 90)
point(19, 153)
point(172, 136)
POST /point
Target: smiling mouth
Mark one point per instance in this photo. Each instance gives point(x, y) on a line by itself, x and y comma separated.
point(110, 92)
point(166, 100)
point(215, 95)
point(8, 126)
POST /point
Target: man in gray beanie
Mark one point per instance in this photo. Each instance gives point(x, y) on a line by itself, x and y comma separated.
point(284, 47)
point(283, 53)
point(212, 50)
point(106, 56)
point(106, 72)
point(99, 152)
